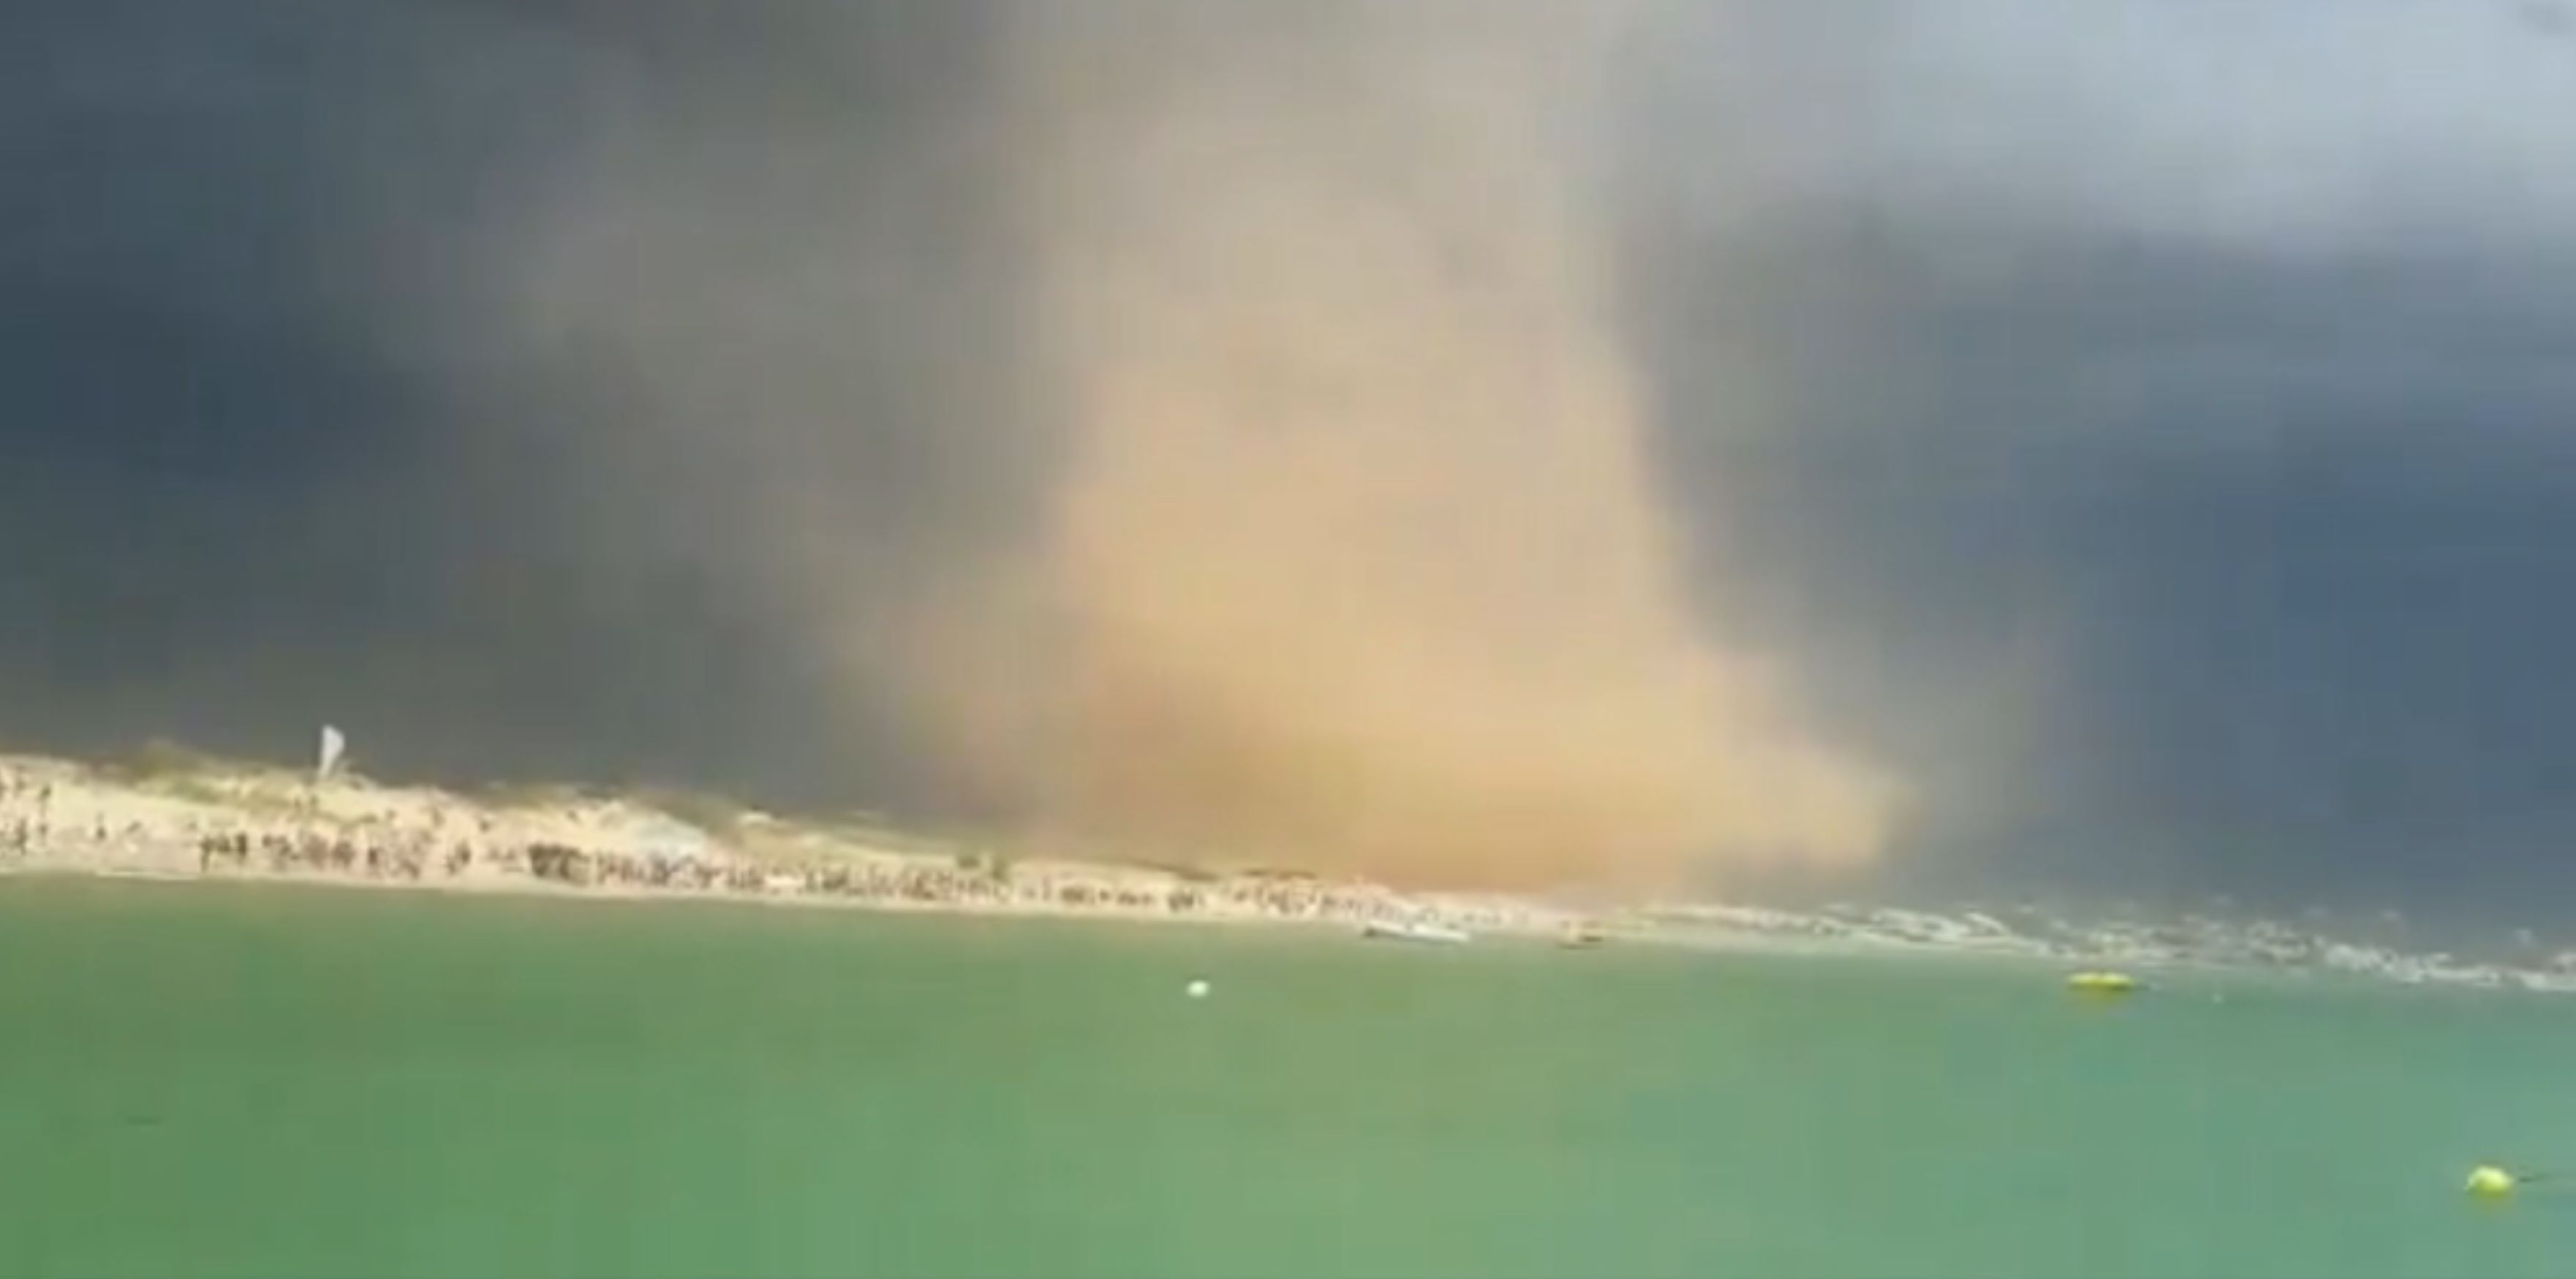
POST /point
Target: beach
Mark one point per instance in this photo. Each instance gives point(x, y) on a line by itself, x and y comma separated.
point(189, 820)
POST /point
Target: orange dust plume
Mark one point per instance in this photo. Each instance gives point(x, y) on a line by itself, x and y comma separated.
point(1356, 562)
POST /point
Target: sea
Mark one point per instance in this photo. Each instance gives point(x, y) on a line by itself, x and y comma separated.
point(244, 1080)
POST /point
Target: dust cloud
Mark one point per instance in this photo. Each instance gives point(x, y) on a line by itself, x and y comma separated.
point(1355, 561)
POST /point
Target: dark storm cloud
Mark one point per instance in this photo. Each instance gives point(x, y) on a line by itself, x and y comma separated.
point(2147, 425)
point(2165, 418)
point(260, 472)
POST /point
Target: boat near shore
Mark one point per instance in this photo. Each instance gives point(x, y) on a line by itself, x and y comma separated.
point(1413, 930)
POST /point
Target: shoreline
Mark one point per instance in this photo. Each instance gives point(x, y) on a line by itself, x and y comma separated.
point(244, 824)
point(200, 821)
point(539, 890)
point(1710, 943)
point(1746, 943)
point(1739, 943)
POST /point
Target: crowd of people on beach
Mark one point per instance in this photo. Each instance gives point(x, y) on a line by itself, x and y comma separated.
point(468, 848)
point(915, 880)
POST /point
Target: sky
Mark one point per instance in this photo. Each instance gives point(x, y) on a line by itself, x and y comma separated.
point(2122, 447)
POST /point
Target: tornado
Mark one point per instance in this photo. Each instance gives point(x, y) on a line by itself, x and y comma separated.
point(1355, 558)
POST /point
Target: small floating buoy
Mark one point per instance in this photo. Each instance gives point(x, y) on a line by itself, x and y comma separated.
point(2102, 983)
point(1197, 989)
point(2486, 1181)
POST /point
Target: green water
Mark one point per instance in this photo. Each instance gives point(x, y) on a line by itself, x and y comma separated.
point(205, 1080)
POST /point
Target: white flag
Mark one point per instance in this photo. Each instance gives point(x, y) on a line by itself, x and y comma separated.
point(333, 747)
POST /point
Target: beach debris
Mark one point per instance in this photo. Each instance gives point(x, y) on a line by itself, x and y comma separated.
point(1198, 988)
point(2487, 1181)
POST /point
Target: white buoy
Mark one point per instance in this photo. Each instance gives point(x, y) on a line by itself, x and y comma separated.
point(1198, 988)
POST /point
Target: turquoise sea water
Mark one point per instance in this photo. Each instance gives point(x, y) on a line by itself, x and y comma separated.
point(222, 1080)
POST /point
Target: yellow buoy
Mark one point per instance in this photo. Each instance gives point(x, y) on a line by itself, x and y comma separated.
point(2102, 983)
point(2487, 1181)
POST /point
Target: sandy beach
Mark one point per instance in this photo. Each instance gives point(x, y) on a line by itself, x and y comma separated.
point(186, 819)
